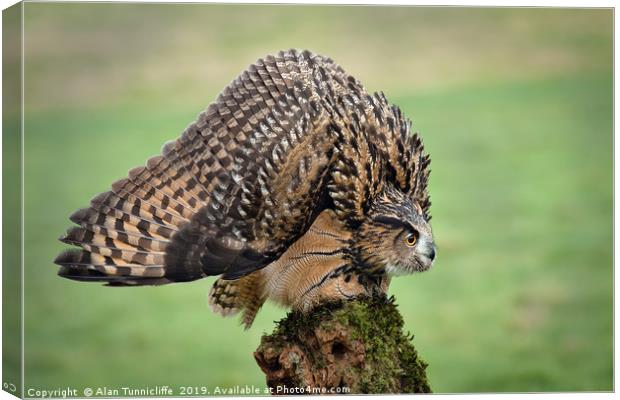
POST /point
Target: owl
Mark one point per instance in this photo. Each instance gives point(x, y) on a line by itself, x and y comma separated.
point(295, 186)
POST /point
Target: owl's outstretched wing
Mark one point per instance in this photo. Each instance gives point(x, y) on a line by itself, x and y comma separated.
point(231, 194)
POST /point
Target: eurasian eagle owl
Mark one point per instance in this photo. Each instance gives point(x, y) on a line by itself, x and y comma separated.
point(295, 185)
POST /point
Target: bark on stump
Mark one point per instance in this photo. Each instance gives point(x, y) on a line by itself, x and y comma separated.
point(358, 345)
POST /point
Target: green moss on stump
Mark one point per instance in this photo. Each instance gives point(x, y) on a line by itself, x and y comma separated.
point(358, 345)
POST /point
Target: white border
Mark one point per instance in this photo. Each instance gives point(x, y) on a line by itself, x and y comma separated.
point(479, 3)
point(464, 3)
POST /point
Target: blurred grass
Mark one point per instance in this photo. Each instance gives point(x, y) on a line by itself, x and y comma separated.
point(514, 105)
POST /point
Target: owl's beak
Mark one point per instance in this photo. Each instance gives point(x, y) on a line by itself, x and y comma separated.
point(427, 255)
point(431, 253)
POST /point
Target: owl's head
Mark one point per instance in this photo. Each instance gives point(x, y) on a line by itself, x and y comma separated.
point(396, 235)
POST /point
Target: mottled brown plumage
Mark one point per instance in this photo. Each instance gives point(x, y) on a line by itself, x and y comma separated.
point(295, 185)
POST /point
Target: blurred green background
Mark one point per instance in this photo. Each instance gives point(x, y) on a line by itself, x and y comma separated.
point(515, 108)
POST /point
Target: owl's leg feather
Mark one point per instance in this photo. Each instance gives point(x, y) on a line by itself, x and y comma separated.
point(229, 297)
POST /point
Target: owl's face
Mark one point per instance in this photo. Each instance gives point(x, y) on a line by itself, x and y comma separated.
point(396, 235)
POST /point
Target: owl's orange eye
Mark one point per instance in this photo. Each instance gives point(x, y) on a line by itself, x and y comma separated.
point(411, 238)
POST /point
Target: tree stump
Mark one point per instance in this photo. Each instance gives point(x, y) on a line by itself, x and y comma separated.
point(346, 347)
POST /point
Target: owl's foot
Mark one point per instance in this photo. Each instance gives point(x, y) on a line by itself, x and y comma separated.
point(344, 287)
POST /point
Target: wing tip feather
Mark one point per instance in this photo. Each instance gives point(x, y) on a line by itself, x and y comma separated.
point(135, 172)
